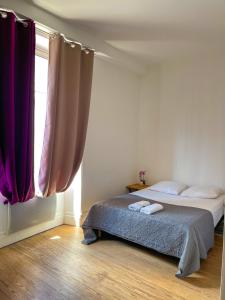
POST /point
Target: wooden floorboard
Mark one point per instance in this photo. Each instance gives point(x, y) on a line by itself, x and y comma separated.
point(55, 265)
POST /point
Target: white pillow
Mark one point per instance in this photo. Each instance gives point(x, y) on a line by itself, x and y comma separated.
point(209, 192)
point(169, 187)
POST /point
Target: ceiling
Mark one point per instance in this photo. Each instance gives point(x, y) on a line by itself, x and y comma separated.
point(150, 30)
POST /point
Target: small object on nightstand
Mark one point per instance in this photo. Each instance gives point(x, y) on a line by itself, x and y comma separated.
point(136, 187)
point(142, 174)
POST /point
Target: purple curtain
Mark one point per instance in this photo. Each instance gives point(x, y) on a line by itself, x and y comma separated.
point(17, 54)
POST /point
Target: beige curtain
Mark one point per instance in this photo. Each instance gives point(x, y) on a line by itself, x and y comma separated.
point(69, 90)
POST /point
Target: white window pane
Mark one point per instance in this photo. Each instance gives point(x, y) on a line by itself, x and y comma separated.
point(41, 72)
point(42, 42)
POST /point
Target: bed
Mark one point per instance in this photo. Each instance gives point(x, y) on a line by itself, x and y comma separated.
point(184, 229)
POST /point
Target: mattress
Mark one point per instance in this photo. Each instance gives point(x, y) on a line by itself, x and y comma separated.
point(215, 206)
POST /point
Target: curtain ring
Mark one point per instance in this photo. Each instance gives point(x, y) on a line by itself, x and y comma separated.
point(3, 14)
point(53, 36)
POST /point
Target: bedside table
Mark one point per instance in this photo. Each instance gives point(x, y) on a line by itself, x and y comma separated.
point(136, 187)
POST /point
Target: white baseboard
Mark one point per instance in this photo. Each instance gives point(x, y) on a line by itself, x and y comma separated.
point(69, 219)
point(6, 240)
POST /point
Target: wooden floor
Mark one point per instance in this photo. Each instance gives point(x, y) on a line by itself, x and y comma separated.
point(55, 265)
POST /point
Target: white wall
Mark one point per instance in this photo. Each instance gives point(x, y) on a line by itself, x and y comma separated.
point(110, 158)
point(149, 123)
point(182, 121)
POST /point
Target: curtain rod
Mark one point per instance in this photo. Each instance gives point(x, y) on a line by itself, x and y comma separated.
point(4, 11)
point(43, 28)
point(46, 31)
point(83, 46)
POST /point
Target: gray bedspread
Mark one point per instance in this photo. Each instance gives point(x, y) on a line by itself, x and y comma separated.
point(184, 232)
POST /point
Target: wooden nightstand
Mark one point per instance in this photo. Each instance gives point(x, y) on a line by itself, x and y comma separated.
point(136, 187)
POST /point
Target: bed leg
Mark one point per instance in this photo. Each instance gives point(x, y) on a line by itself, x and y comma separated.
point(99, 234)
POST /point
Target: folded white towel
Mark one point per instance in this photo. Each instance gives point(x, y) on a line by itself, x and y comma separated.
point(143, 203)
point(138, 205)
point(151, 209)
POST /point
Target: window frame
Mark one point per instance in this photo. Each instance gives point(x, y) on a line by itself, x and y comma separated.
point(39, 49)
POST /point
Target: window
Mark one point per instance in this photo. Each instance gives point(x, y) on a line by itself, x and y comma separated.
point(41, 77)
